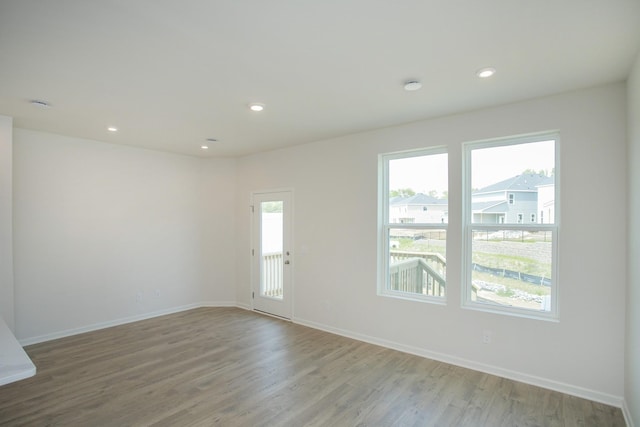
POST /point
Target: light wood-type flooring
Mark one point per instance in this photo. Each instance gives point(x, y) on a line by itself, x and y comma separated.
point(232, 367)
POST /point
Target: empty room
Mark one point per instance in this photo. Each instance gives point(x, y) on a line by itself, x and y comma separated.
point(244, 213)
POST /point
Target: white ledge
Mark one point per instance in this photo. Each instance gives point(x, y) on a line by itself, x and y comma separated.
point(15, 365)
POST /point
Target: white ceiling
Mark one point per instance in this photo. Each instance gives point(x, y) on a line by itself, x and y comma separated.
point(172, 73)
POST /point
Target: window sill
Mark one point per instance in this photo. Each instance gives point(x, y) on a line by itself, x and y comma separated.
point(414, 297)
point(512, 311)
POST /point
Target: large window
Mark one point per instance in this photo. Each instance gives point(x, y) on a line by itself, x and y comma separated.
point(413, 231)
point(510, 264)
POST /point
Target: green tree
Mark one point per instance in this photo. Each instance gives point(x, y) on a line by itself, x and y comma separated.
point(541, 172)
point(272, 207)
point(402, 192)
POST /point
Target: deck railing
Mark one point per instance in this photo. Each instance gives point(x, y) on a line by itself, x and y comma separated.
point(435, 260)
point(272, 275)
point(415, 275)
point(416, 272)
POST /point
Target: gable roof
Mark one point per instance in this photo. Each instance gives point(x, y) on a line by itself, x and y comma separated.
point(418, 199)
point(488, 206)
point(525, 182)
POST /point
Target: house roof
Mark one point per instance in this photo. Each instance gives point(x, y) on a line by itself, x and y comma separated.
point(485, 206)
point(418, 199)
point(525, 182)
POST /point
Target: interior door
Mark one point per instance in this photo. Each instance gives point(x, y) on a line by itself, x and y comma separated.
point(271, 253)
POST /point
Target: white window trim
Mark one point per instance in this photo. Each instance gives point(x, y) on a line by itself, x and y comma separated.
point(384, 225)
point(468, 227)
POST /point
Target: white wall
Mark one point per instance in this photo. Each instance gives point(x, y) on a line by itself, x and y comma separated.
point(217, 234)
point(95, 224)
point(6, 229)
point(335, 228)
point(632, 366)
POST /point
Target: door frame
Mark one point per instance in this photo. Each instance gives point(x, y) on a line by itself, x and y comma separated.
point(254, 287)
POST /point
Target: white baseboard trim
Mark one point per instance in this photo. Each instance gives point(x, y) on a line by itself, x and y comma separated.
point(577, 391)
point(627, 414)
point(244, 306)
point(218, 304)
point(130, 319)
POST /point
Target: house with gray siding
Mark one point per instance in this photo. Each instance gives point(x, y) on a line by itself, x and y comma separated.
point(511, 201)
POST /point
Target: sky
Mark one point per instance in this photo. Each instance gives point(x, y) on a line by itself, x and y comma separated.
point(489, 165)
point(421, 174)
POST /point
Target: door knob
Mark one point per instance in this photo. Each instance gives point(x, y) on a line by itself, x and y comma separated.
point(287, 262)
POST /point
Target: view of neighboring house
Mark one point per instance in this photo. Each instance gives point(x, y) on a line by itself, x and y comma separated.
point(523, 199)
point(419, 208)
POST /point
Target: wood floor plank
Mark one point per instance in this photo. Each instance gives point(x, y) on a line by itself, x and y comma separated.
point(231, 367)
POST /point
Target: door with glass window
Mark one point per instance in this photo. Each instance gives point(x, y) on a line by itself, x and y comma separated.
point(271, 253)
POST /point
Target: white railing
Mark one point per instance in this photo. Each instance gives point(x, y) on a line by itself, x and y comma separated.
point(417, 272)
point(272, 275)
point(435, 260)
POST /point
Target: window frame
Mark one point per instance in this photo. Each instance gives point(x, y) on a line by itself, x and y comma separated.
point(468, 227)
point(384, 225)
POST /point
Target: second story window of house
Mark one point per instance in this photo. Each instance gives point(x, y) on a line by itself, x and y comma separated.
point(413, 221)
point(510, 264)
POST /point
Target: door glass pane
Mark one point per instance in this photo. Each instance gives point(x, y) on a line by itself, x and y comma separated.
point(512, 268)
point(271, 220)
point(417, 261)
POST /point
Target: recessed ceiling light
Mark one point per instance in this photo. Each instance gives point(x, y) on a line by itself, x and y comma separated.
point(208, 142)
point(40, 104)
point(484, 73)
point(412, 85)
point(256, 107)
point(112, 129)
